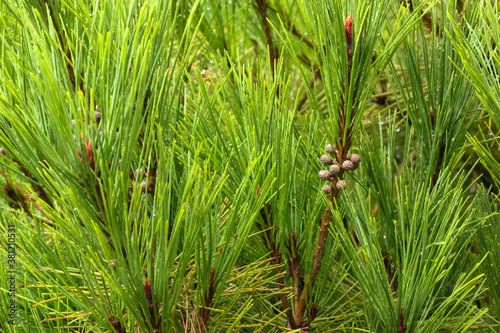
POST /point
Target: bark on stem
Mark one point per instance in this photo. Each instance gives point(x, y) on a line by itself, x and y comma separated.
point(343, 144)
point(318, 252)
point(272, 246)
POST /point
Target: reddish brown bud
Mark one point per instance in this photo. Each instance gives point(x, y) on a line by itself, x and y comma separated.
point(348, 33)
point(348, 165)
point(212, 276)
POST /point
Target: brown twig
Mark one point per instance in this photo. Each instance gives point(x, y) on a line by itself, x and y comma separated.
point(21, 197)
point(115, 322)
point(426, 19)
point(69, 62)
point(402, 326)
point(272, 246)
point(294, 265)
point(343, 145)
point(38, 189)
point(261, 6)
point(205, 311)
point(155, 320)
point(318, 254)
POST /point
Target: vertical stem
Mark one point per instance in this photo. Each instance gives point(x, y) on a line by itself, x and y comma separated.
point(273, 51)
point(318, 252)
point(344, 142)
point(272, 246)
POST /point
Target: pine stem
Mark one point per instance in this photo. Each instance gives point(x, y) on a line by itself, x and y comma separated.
point(318, 254)
point(273, 51)
point(343, 145)
point(272, 246)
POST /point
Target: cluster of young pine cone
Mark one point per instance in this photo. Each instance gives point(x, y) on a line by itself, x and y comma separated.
point(351, 163)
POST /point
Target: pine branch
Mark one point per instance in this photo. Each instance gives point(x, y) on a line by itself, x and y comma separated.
point(261, 6)
point(269, 238)
point(340, 151)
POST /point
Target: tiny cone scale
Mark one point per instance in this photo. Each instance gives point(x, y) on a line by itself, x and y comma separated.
point(326, 160)
point(341, 184)
point(324, 175)
point(334, 170)
point(348, 165)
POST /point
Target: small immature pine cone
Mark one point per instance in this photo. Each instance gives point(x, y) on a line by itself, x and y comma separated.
point(3, 151)
point(73, 122)
point(334, 170)
point(326, 160)
point(330, 149)
point(144, 186)
point(348, 165)
point(327, 189)
point(355, 158)
point(98, 116)
point(341, 184)
point(324, 175)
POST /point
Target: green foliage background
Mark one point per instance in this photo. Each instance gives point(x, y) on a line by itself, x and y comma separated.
point(161, 158)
